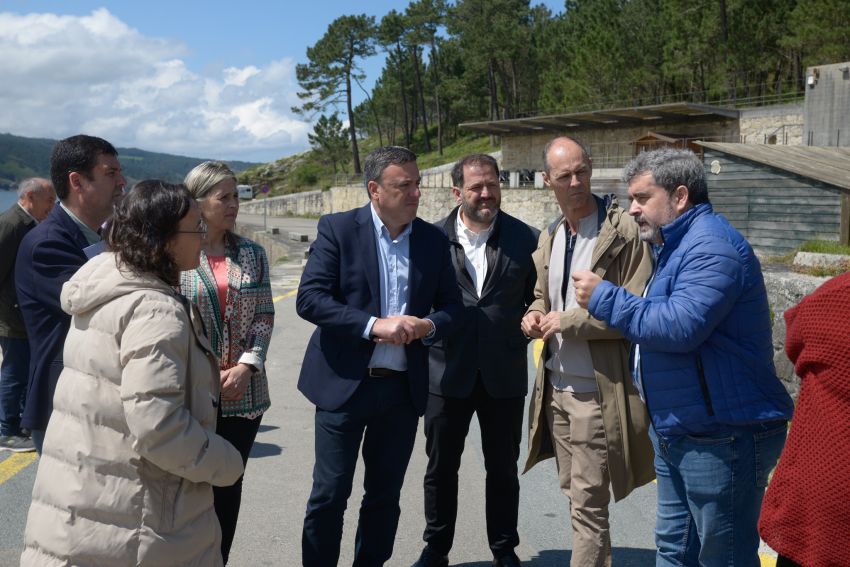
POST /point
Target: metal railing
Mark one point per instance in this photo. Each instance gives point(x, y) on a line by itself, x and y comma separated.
point(743, 96)
point(342, 179)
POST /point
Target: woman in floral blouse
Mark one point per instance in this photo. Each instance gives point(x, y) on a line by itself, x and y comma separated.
point(231, 289)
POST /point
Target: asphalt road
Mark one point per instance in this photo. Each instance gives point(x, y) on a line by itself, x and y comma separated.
point(278, 477)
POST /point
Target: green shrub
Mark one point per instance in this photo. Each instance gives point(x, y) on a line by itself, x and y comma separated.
point(306, 175)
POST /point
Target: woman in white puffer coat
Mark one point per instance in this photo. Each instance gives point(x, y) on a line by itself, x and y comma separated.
point(130, 454)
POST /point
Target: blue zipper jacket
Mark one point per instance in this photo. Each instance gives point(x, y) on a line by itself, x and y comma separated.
point(704, 330)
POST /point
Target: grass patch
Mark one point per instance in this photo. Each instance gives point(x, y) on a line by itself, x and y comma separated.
point(817, 246)
point(455, 151)
point(824, 271)
point(824, 247)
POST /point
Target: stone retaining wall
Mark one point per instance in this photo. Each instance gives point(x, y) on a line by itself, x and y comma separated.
point(785, 290)
point(308, 203)
point(538, 208)
point(276, 251)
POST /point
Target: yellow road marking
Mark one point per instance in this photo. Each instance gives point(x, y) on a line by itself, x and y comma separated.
point(15, 464)
point(285, 295)
point(19, 461)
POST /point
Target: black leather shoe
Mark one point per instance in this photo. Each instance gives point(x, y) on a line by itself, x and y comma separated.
point(431, 558)
point(509, 560)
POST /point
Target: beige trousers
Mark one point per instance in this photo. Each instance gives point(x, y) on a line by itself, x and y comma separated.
point(581, 455)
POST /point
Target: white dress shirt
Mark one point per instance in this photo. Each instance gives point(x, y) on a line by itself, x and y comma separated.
point(474, 251)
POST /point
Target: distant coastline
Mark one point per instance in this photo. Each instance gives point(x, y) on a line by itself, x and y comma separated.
point(7, 198)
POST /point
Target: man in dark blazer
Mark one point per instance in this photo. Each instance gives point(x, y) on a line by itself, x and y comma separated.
point(380, 287)
point(483, 368)
point(35, 199)
point(87, 178)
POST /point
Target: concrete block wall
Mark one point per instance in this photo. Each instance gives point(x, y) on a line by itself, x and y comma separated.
point(440, 176)
point(785, 290)
point(538, 208)
point(308, 203)
point(526, 151)
point(827, 106)
point(339, 199)
point(783, 121)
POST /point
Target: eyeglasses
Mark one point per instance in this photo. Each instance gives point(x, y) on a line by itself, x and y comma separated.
point(202, 229)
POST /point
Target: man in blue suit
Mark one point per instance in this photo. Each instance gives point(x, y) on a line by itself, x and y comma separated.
point(380, 287)
point(87, 178)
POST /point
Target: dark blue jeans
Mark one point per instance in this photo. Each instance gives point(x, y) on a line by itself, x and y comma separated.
point(381, 415)
point(710, 489)
point(14, 373)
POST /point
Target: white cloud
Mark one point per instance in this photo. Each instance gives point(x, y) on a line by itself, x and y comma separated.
point(63, 75)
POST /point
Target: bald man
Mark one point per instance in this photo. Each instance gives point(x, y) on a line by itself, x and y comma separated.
point(585, 411)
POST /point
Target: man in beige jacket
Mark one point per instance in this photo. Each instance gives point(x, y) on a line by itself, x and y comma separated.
point(584, 409)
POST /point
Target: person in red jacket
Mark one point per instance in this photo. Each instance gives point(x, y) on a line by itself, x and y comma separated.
point(806, 511)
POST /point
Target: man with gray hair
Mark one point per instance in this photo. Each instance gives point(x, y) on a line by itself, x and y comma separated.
point(35, 199)
point(380, 288)
point(703, 362)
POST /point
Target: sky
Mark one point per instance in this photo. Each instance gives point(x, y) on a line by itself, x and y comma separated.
point(206, 79)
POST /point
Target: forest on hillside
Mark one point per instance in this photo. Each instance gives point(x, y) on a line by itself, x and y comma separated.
point(22, 157)
point(472, 60)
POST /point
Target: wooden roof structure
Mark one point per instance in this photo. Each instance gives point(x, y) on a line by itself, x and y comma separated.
point(645, 116)
point(829, 165)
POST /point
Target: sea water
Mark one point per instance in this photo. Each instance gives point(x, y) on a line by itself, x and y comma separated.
point(7, 199)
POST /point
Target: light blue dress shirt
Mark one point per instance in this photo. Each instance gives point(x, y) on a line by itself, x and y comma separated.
point(393, 280)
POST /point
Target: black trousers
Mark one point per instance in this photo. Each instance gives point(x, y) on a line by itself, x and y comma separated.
point(446, 425)
point(241, 432)
point(783, 561)
point(381, 416)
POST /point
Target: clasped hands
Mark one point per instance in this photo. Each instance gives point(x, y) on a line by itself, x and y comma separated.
point(400, 329)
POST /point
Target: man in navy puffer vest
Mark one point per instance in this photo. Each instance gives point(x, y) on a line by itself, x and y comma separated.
point(703, 362)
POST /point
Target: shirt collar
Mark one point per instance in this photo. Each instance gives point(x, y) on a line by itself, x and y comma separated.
point(470, 234)
point(381, 228)
point(92, 237)
point(26, 212)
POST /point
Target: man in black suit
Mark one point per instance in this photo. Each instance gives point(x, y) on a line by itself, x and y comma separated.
point(380, 288)
point(483, 368)
point(88, 180)
point(35, 199)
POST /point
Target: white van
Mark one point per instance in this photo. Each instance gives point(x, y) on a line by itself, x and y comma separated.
point(245, 191)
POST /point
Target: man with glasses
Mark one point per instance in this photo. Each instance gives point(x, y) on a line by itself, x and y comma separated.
point(584, 409)
point(87, 178)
